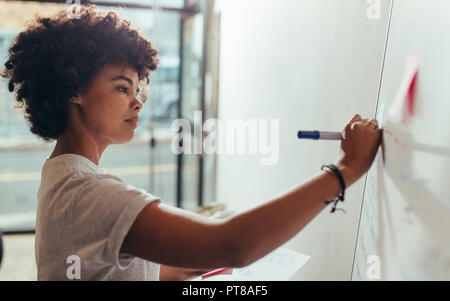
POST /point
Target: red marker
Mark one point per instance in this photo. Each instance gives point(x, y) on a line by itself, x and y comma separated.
point(216, 272)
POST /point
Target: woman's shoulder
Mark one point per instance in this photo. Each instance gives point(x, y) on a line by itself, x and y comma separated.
point(65, 175)
point(72, 162)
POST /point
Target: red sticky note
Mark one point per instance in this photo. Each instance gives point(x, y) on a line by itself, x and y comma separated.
point(405, 98)
point(411, 95)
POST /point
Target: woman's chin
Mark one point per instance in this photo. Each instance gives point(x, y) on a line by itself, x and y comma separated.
point(128, 139)
point(124, 139)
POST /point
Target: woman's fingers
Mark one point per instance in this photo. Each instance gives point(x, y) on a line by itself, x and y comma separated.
point(374, 122)
point(358, 120)
point(355, 118)
point(352, 120)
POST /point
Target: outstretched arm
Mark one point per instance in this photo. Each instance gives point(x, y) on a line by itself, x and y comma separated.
point(177, 237)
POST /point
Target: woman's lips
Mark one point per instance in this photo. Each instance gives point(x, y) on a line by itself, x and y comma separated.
point(133, 122)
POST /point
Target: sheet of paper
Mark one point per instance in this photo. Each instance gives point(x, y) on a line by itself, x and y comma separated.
point(279, 265)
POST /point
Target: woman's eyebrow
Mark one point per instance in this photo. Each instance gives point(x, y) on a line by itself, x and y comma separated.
point(121, 77)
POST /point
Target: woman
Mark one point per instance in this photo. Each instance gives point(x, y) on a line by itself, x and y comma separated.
point(79, 80)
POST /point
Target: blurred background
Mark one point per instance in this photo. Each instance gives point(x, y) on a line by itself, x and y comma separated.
point(186, 34)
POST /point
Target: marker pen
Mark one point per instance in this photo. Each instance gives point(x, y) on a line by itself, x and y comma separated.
point(318, 135)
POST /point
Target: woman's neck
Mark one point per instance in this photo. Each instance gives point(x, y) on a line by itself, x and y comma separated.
point(73, 142)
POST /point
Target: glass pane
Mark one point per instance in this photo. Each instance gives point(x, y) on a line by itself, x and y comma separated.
point(164, 3)
point(191, 106)
point(212, 26)
point(22, 155)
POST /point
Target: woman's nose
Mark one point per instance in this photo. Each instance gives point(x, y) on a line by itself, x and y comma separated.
point(138, 105)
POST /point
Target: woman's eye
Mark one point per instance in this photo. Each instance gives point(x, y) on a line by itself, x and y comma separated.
point(123, 89)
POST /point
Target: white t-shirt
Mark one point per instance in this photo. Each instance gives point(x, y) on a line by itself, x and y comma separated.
point(84, 212)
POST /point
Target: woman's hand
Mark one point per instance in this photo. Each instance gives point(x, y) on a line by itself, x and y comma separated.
point(360, 141)
point(168, 273)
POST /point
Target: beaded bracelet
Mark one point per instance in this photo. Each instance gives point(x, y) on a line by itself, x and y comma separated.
point(340, 198)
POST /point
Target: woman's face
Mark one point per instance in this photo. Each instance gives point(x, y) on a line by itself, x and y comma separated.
point(109, 108)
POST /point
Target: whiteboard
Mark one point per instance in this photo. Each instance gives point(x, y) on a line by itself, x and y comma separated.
point(311, 64)
point(406, 210)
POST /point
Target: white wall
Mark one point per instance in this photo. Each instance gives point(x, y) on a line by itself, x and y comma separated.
point(312, 64)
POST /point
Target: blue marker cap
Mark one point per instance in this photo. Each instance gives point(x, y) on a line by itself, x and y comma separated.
point(314, 135)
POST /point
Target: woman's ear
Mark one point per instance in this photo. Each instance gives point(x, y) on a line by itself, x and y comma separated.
point(76, 99)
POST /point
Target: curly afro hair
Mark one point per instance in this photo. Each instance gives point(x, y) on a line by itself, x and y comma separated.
point(57, 57)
